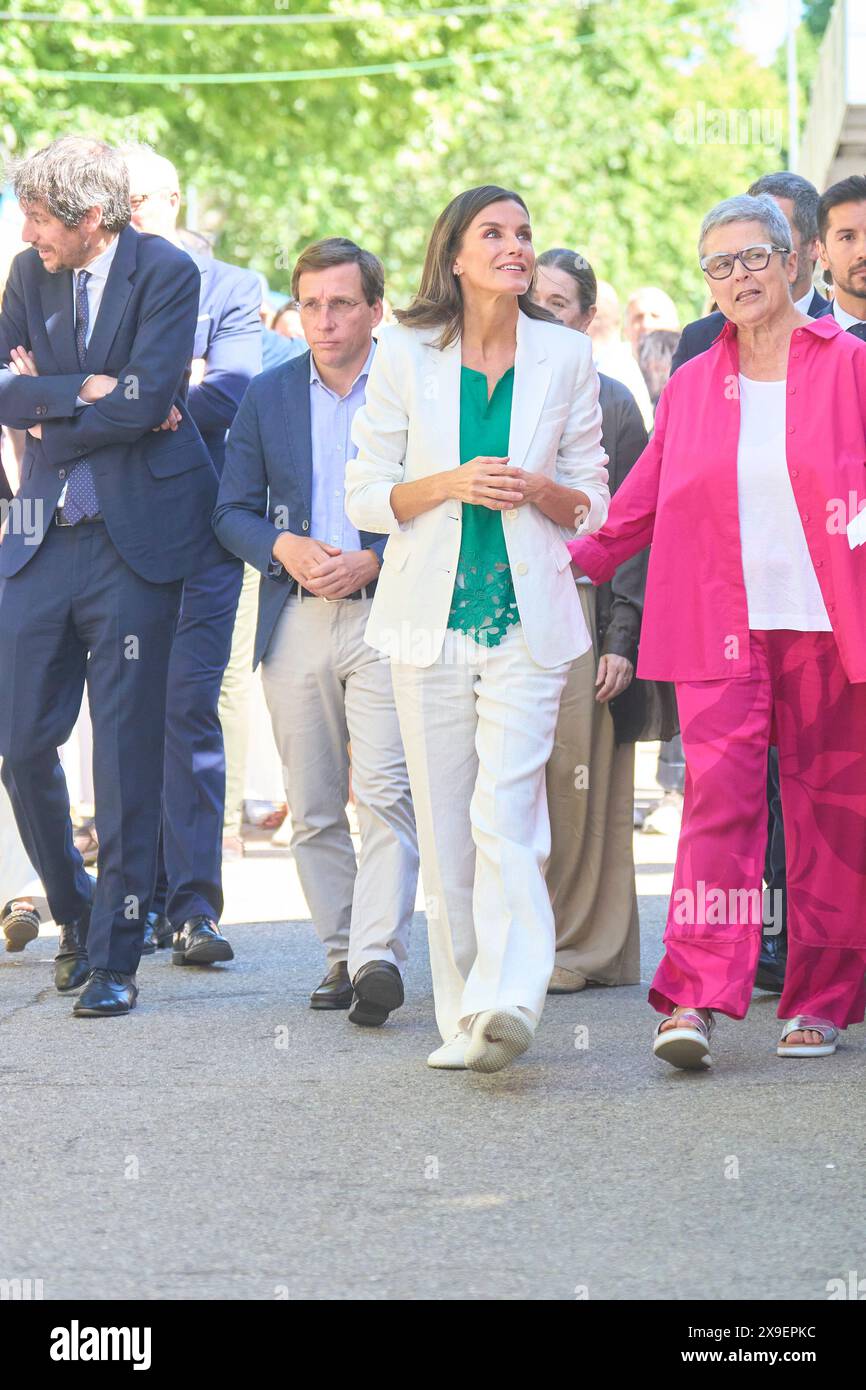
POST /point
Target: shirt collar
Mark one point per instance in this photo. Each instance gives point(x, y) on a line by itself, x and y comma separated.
point(804, 301)
point(364, 372)
point(824, 327)
point(842, 317)
point(99, 267)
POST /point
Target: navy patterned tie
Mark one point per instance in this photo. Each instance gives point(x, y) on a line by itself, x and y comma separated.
point(81, 500)
point(859, 331)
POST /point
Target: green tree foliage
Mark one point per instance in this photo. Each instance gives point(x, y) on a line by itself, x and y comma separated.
point(620, 124)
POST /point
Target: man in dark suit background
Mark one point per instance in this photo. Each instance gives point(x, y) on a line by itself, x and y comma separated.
point(188, 900)
point(282, 507)
point(798, 199)
point(96, 334)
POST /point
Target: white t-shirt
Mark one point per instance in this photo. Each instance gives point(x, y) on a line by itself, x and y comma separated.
point(781, 586)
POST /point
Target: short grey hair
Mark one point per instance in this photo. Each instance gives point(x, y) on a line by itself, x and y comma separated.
point(745, 208)
point(802, 193)
point(72, 175)
point(139, 154)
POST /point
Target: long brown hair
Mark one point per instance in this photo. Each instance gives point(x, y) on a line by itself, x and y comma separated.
point(439, 301)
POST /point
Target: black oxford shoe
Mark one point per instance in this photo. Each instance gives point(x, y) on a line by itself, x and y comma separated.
point(106, 993)
point(378, 990)
point(71, 966)
point(335, 991)
point(157, 933)
point(199, 942)
point(771, 963)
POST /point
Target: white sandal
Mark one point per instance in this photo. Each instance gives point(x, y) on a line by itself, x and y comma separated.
point(805, 1023)
point(687, 1047)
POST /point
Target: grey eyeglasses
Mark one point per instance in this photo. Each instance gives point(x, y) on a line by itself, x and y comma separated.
point(755, 257)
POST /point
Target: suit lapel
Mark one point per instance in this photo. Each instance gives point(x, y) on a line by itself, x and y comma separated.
point(298, 418)
point(532, 373)
point(56, 296)
point(440, 386)
point(118, 288)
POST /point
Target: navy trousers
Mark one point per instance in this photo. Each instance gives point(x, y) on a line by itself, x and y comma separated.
point(77, 613)
point(189, 878)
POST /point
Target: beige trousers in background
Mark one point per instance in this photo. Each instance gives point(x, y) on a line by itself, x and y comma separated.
point(234, 701)
point(590, 873)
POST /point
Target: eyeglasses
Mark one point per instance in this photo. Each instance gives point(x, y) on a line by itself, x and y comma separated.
point(752, 257)
point(137, 200)
point(340, 308)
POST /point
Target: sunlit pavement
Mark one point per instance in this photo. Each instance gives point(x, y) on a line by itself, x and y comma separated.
point(224, 1141)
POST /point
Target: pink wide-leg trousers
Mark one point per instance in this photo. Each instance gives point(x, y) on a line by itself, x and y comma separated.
point(798, 697)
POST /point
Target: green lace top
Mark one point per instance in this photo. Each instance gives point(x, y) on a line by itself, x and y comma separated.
point(483, 604)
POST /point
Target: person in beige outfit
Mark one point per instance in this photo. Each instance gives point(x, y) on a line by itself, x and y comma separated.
point(604, 710)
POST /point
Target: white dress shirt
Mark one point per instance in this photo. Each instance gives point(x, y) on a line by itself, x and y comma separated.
point(98, 269)
point(842, 317)
point(802, 305)
point(95, 287)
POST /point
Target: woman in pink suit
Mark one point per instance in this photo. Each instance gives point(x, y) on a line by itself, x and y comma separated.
point(756, 608)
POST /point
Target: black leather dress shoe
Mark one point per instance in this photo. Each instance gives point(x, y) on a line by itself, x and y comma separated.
point(199, 942)
point(71, 966)
point(335, 991)
point(771, 963)
point(106, 993)
point(378, 990)
point(157, 933)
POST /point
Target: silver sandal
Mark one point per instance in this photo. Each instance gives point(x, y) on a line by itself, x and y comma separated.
point(688, 1046)
point(805, 1023)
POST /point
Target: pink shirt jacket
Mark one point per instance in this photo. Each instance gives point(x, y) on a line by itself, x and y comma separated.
point(681, 496)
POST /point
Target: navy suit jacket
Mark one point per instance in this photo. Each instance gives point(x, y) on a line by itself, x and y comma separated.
point(228, 334)
point(697, 337)
point(156, 490)
point(267, 483)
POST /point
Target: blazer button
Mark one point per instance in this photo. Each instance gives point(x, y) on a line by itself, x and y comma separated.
point(61, 473)
point(511, 514)
point(305, 526)
point(42, 410)
point(522, 569)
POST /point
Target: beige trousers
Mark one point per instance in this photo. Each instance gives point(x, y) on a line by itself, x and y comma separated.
point(590, 792)
point(325, 687)
point(234, 702)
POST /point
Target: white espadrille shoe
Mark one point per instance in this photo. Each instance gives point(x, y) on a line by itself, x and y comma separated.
point(498, 1036)
point(451, 1056)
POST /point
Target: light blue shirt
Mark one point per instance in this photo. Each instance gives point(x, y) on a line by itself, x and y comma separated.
point(331, 419)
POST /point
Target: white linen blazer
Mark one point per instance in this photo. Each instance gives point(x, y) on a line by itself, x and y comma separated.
point(409, 428)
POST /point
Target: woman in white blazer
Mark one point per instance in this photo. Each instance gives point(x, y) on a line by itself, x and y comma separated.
point(479, 452)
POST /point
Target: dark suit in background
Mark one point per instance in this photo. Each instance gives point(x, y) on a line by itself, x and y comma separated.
point(189, 881)
point(97, 602)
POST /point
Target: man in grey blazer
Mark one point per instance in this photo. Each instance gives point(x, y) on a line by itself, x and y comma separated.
point(281, 508)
